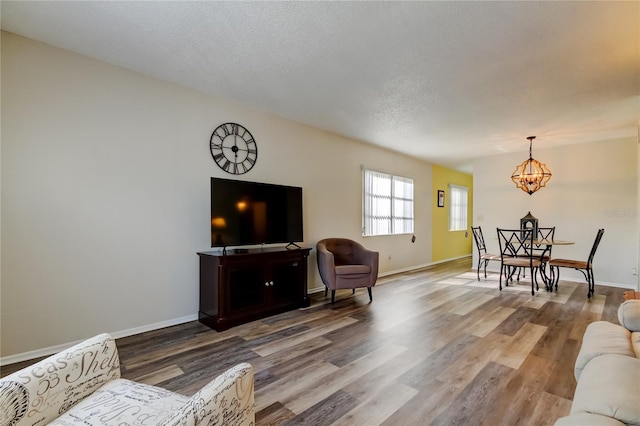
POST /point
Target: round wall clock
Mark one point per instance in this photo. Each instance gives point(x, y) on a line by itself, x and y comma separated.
point(233, 148)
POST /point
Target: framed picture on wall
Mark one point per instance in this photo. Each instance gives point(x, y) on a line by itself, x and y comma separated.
point(440, 198)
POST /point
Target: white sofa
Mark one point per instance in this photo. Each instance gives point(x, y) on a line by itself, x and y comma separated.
point(607, 370)
point(82, 386)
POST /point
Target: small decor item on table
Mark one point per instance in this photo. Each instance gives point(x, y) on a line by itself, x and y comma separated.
point(233, 148)
point(529, 222)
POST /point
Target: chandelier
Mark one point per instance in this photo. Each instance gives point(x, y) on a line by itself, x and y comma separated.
point(531, 175)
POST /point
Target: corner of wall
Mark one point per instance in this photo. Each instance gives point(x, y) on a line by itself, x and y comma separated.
point(447, 244)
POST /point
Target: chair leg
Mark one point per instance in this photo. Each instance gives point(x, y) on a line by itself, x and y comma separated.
point(333, 296)
point(479, 263)
point(533, 279)
point(325, 291)
point(509, 271)
point(555, 276)
point(353, 291)
point(370, 294)
point(545, 278)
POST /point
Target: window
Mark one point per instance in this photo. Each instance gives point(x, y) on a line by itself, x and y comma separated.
point(458, 208)
point(388, 204)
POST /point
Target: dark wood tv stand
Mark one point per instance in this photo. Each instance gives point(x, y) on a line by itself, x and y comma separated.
point(236, 288)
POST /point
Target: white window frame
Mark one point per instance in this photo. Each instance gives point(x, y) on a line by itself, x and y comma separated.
point(458, 207)
point(384, 210)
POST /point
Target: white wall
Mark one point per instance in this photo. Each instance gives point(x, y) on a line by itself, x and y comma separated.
point(593, 186)
point(105, 195)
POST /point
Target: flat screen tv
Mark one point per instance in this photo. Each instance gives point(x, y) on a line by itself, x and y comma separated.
point(249, 213)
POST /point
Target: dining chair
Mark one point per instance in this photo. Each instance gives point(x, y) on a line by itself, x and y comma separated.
point(585, 267)
point(483, 256)
point(543, 251)
point(515, 253)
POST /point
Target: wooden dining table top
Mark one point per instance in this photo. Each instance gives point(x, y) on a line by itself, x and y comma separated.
point(546, 242)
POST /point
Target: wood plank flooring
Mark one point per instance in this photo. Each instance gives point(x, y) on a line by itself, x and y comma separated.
point(436, 347)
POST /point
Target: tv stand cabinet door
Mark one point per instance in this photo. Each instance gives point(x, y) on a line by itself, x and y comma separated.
point(245, 288)
point(288, 278)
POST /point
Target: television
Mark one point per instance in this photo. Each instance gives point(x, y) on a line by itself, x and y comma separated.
point(249, 213)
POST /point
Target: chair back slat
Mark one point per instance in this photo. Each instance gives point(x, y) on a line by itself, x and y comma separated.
point(544, 234)
point(479, 239)
point(515, 242)
point(596, 243)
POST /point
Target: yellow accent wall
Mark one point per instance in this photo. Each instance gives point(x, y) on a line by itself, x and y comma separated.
point(447, 244)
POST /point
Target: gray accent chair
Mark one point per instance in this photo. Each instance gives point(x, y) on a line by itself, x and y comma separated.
point(346, 264)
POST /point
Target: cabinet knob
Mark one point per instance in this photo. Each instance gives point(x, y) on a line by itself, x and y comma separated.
point(271, 283)
point(266, 284)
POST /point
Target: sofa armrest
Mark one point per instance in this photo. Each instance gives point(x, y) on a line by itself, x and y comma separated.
point(40, 393)
point(226, 400)
point(326, 266)
point(629, 315)
point(364, 256)
point(587, 419)
point(610, 386)
point(602, 338)
point(371, 258)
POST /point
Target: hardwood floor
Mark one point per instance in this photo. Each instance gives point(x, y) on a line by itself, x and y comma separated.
point(436, 347)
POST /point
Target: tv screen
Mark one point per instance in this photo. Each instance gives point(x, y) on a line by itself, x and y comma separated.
point(248, 213)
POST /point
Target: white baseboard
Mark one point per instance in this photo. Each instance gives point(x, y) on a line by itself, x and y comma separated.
point(399, 271)
point(416, 267)
point(25, 356)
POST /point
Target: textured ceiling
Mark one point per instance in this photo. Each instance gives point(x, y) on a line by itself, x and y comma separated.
point(442, 81)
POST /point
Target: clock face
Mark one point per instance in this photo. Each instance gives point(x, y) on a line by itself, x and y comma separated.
point(233, 148)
